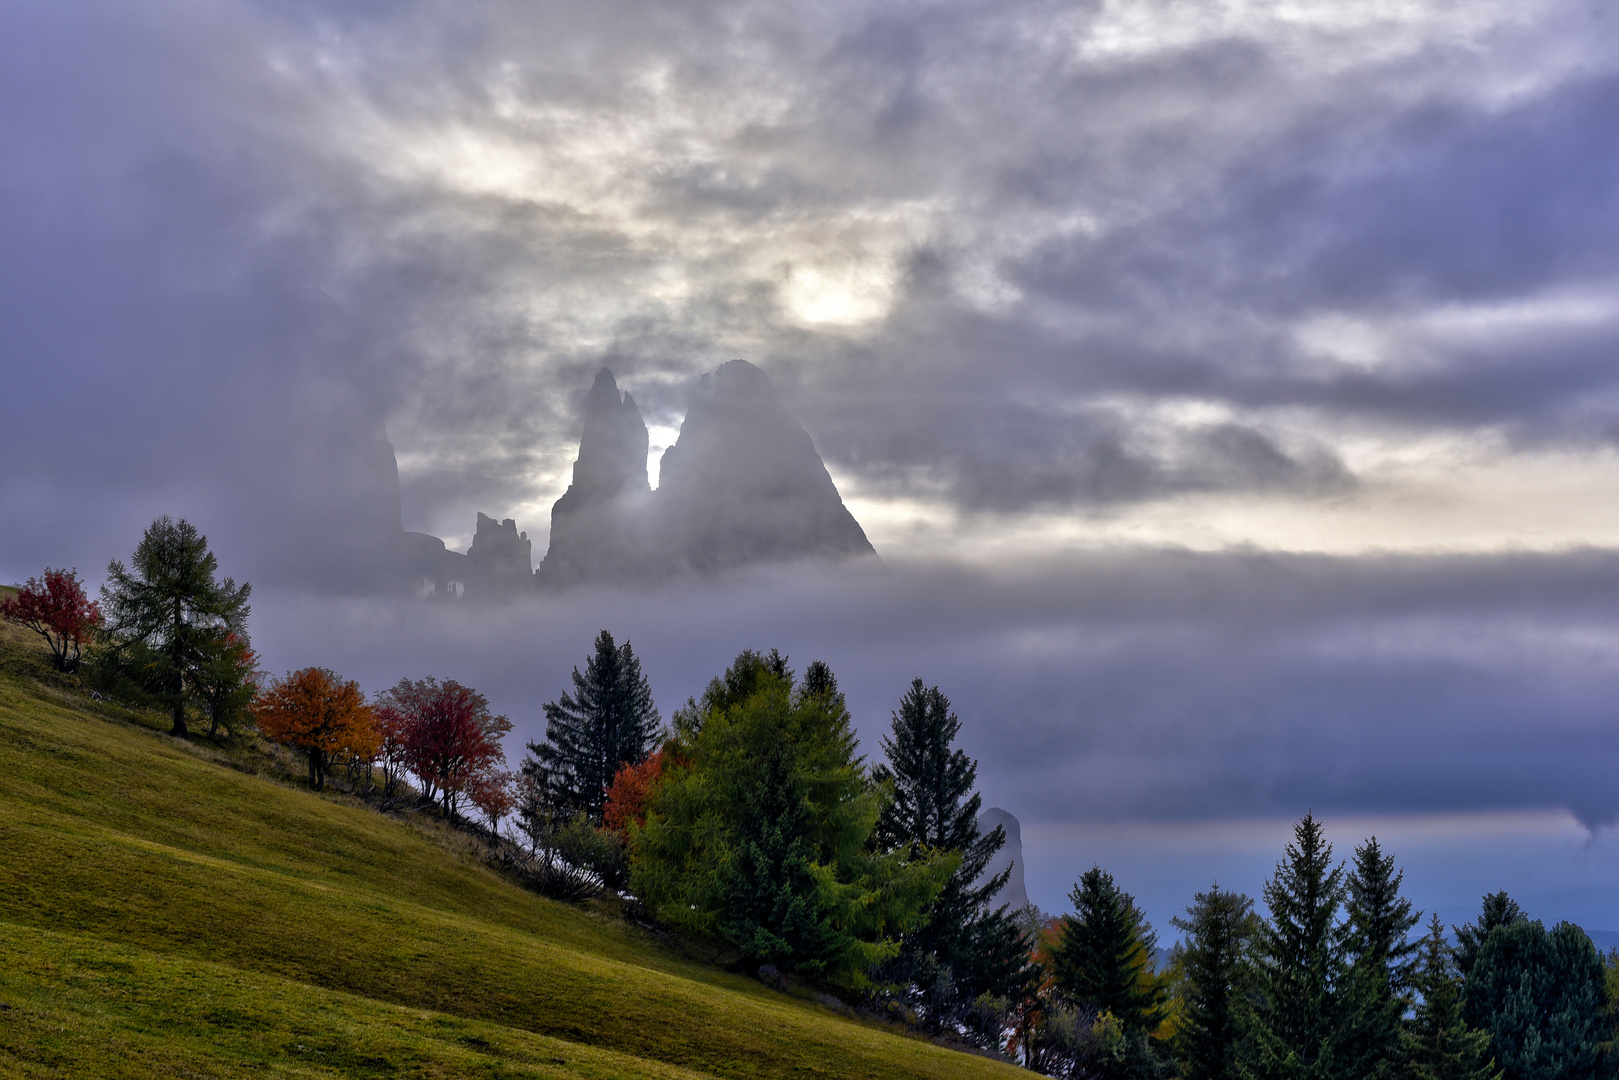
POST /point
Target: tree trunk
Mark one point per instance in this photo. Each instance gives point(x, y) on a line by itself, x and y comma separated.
point(177, 676)
point(316, 780)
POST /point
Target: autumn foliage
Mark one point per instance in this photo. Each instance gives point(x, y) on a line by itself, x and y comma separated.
point(57, 610)
point(320, 713)
point(446, 736)
point(628, 793)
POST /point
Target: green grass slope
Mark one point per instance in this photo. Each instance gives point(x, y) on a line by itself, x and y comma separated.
point(162, 914)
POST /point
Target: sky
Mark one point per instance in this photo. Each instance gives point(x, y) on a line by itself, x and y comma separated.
point(1227, 387)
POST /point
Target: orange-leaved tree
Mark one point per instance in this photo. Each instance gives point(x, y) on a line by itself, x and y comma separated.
point(57, 610)
point(627, 795)
point(320, 713)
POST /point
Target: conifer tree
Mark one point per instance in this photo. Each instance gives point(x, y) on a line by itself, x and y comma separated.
point(167, 608)
point(1295, 1032)
point(1380, 955)
point(1499, 909)
point(1438, 1045)
point(1542, 995)
point(1216, 978)
point(608, 721)
point(970, 946)
point(1103, 951)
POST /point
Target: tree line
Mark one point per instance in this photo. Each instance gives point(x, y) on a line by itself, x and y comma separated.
point(750, 821)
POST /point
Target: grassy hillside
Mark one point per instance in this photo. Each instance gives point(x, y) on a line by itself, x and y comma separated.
point(162, 914)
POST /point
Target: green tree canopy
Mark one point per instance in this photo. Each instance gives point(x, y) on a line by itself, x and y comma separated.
point(1381, 956)
point(1542, 995)
point(1216, 977)
point(167, 609)
point(1438, 1044)
point(1103, 956)
point(969, 946)
point(1499, 909)
point(1296, 1030)
point(760, 831)
point(608, 721)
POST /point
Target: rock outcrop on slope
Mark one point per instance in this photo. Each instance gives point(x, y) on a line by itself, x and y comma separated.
point(1015, 893)
point(500, 561)
point(599, 526)
point(742, 485)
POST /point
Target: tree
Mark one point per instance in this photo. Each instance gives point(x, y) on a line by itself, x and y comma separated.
point(1216, 978)
point(56, 609)
point(169, 604)
point(1104, 952)
point(226, 679)
point(1499, 909)
point(1542, 995)
point(494, 793)
point(450, 738)
point(759, 833)
point(1381, 957)
point(966, 949)
point(1438, 1043)
point(627, 795)
point(608, 721)
point(1297, 1030)
point(321, 714)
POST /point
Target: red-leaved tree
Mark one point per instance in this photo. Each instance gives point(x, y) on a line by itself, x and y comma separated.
point(57, 610)
point(450, 738)
point(494, 793)
point(627, 795)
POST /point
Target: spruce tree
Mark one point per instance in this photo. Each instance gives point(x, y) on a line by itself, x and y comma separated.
point(1216, 978)
point(608, 721)
point(1296, 1030)
point(1438, 1044)
point(1103, 951)
point(1380, 955)
point(1499, 909)
point(969, 946)
point(167, 610)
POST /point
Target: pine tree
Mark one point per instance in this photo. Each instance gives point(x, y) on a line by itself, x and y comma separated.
point(1221, 929)
point(969, 946)
point(1294, 1034)
point(1499, 909)
point(1438, 1044)
point(1381, 957)
point(1542, 995)
point(167, 608)
point(609, 720)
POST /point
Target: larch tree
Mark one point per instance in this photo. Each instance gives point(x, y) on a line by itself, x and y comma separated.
point(57, 609)
point(1380, 956)
point(167, 605)
point(1216, 972)
point(1296, 1031)
point(969, 946)
point(759, 832)
point(1439, 1044)
point(319, 713)
point(609, 720)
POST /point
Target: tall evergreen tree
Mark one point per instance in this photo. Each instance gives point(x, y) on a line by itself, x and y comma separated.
point(1104, 950)
point(760, 833)
point(167, 609)
point(1438, 1044)
point(1381, 957)
point(970, 946)
point(1499, 909)
point(1216, 978)
point(608, 721)
point(1295, 1032)
point(1542, 995)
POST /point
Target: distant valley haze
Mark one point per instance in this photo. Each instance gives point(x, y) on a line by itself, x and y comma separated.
point(1219, 403)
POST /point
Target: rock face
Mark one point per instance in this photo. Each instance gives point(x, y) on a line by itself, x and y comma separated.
point(599, 526)
point(499, 562)
point(744, 484)
point(1015, 893)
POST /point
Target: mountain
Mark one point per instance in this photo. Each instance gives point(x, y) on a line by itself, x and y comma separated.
point(1015, 893)
point(742, 485)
